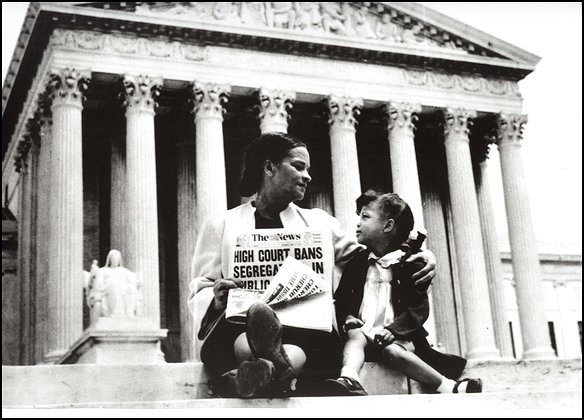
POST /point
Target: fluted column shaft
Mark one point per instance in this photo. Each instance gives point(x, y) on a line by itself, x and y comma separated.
point(526, 270)
point(187, 236)
point(274, 106)
point(118, 196)
point(442, 290)
point(211, 188)
point(26, 166)
point(65, 287)
point(344, 158)
point(402, 151)
point(467, 236)
point(43, 193)
point(141, 199)
point(493, 261)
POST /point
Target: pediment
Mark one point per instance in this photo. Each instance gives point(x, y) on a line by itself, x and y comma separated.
point(371, 24)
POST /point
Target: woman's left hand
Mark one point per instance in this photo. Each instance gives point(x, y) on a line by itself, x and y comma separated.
point(423, 278)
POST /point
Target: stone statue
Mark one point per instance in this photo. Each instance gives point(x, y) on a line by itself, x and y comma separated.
point(92, 296)
point(388, 30)
point(362, 25)
point(280, 14)
point(337, 19)
point(307, 16)
point(113, 290)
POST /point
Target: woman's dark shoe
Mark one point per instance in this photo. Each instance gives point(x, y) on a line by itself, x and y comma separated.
point(224, 385)
point(344, 386)
point(249, 380)
point(264, 336)
point(473, 386)
point(253, 377)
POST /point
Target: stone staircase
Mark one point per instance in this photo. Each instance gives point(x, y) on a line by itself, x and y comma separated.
point(555, 384)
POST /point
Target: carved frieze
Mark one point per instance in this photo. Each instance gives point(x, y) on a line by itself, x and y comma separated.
point(127, 45)
point(373, 21)
point(455, 82)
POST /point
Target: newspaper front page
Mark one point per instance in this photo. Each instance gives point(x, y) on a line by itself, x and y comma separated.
point(301, 294)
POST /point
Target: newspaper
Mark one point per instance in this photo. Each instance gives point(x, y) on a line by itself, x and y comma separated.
point(291, 270)
point(296, 293)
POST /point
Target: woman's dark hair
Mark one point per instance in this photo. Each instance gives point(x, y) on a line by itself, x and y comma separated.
point(393, 207)
point(272, 146)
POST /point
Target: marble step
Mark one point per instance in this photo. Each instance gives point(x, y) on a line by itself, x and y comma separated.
point(186, 383)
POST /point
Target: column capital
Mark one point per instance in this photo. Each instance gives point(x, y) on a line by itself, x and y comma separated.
point(67, 86)
point(274, 105)
point(209, 98)
point(457, 123)
point(510, 129)
point(483, 137)
point(139, 93)
point(402, 114)
point(343, 111)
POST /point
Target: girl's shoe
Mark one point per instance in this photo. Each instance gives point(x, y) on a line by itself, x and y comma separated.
point(343, 386)
point(473, 386)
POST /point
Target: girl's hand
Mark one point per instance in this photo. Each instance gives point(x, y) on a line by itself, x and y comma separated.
point(351, 322)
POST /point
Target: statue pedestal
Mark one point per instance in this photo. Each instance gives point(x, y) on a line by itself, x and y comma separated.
point(117, 341)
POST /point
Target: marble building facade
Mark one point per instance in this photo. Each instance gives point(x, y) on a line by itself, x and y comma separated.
point(125, 123)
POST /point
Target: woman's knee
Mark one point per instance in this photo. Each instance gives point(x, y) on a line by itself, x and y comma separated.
point(241, 348)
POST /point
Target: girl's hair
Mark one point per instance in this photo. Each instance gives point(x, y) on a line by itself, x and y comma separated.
point(391, 206)
point(272, 146)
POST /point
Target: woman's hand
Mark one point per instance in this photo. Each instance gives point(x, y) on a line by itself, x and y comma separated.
point(423, 278)
point(221, 289)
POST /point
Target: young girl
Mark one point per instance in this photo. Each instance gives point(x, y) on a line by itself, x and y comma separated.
point(380, 308)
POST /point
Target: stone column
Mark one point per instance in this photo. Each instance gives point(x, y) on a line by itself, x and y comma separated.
point(118, 212)
point(187, 237)
point(442, 288)
point(65, 230)
point(43, 193)
point(526, 271)
point(211, 188)
point(492, 256)
point(404, 166)
point(25, 165)
point(345, 162)
point(476, 307)
point(141, 199)
point(274, 107)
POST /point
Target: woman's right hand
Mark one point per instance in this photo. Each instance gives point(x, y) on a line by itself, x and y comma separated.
point(221, 289)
